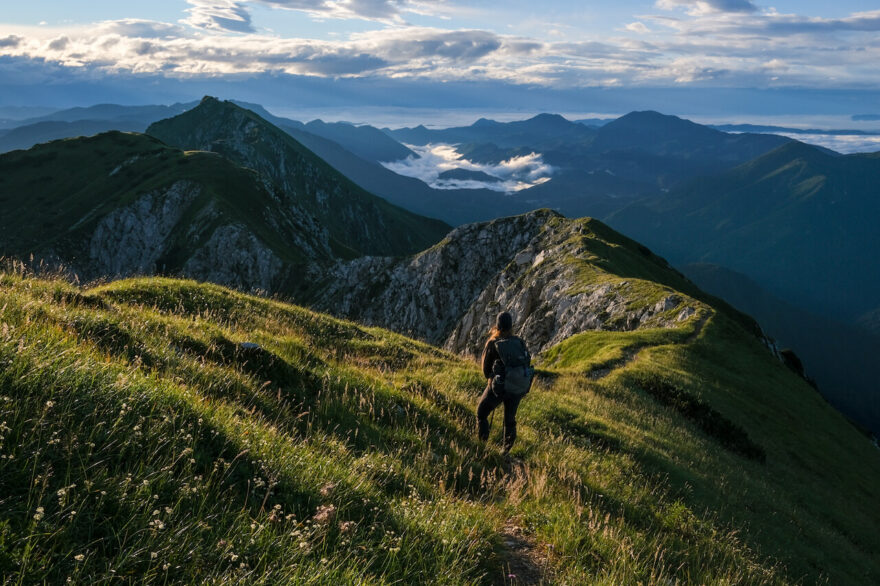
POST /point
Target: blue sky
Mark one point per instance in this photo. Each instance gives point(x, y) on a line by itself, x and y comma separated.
point(549, 45)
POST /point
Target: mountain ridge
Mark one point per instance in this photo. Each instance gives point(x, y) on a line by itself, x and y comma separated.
point(544, 268)
point(794, 220)
point(358, 219)
point(128, 204)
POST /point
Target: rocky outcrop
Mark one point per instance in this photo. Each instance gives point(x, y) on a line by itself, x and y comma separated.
point(425, 295)
point(545, 288)
point(129, 240)
point(233, 256)
point(538, 266)
point(150, 236)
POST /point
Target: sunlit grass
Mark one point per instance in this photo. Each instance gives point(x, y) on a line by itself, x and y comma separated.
point(143, 438)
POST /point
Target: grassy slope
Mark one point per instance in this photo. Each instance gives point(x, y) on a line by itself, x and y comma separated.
point(40, 210)
point(797, 220)
point(140, 441)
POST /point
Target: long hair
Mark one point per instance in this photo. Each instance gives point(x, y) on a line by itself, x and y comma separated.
point(495, 332)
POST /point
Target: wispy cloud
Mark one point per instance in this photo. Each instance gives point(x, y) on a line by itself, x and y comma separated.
point(637, 27)
point(727, 43)
point(435, 160)
point(220, 15)
point(234, 15)
point(700, 7)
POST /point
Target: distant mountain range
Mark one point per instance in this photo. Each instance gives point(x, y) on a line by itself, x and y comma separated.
point(795, 219)
point(597, 171)
point(24, 137)
point(788, 130)
point(260, 212)
point(542, 130)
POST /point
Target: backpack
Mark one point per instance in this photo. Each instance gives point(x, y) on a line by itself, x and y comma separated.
point(518, 372)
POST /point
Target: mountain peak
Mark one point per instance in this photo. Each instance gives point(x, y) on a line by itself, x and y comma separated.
point(548, 117)
point(653, 119)
point(483, 122)
point(360, 222)
point(649, 129)
point(546, 121)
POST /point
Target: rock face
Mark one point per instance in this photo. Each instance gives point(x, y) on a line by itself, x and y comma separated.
point(151, 236)
point(425, 295)
point(234, 256)
point(131, 239)
point(123, 204)
point(542, 267)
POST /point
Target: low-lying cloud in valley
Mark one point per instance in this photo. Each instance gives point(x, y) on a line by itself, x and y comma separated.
point(842, 143)
point(436, 160)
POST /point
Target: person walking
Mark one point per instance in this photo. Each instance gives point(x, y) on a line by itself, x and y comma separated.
point(505, 364)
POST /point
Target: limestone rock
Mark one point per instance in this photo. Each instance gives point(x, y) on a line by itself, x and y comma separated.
point(531, 265)
point(131, 239)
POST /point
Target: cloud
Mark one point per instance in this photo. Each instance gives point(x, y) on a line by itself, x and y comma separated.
point(637, 27)
point(699, 7)
point(382, 10)
point(795, 24)
point(462, 45)
point(59, 44)
point(726, 45)
point(10, 41)
point(514, 174)
point(132, 46)
point(842, 143)
point(219, 15)
point(234, 15)
point(142, 29)
point(387, 11)
point(338, 64)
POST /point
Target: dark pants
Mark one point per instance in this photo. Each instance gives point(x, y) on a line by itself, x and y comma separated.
point(488, 402)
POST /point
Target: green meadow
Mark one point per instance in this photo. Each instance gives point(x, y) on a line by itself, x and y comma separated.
point(165, 431)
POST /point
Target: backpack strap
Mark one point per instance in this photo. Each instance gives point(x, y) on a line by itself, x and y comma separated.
point(518, 356)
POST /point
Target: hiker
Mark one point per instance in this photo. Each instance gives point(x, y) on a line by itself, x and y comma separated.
point(506, 367)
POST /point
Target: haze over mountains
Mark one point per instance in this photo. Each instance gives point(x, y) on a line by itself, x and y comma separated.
point(798, 220)
point(793, 219)
point(262, 216)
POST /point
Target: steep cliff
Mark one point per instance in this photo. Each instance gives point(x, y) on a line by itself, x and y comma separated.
point(558, 276)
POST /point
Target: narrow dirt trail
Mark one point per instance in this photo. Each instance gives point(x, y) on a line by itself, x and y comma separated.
point(524, 561)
